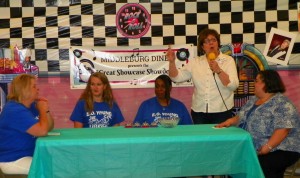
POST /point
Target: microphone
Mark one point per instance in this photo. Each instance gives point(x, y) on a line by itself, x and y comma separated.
point(211, 56)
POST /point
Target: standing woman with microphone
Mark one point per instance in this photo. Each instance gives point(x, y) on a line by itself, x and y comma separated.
point(214, 76)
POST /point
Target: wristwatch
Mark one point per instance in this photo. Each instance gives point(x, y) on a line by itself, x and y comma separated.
point(219, 71)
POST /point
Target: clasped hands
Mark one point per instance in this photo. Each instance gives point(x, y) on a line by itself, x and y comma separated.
point(42, 104)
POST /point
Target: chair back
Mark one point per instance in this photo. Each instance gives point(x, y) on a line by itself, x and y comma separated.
point(290, 172)
point(2, 175)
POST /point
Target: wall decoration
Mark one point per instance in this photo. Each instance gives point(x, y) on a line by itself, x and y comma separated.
point(126, 67)
point(16, 61)
point(279, 46)
point(133, 20)
point(249, 61)
point(50, 27)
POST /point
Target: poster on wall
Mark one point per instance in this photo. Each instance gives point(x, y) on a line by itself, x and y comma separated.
point(125, 67)
point(279, 46)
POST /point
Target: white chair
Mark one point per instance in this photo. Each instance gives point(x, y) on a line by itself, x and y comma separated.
point(293, 170)
point(2, 175)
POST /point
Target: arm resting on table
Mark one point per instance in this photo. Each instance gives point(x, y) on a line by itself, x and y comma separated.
point(229, 122)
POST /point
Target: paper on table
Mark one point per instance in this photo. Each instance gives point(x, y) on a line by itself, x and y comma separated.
point(53, 133)
point(218, 127)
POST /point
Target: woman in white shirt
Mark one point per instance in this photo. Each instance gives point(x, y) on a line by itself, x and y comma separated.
point(214, 76)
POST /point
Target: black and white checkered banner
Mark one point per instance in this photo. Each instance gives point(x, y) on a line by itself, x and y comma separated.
point(50, 27)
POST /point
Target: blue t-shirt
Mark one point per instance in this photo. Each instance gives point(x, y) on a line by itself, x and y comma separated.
point(151, 110)
point(15, 120)
point(101, 116)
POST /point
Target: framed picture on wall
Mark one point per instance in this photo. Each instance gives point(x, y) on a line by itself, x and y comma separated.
point(279, 46)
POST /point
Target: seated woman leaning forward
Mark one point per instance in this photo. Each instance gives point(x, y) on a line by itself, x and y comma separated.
point(25, 117)
point(96, 106)
point(162, 105)
point(274, 123)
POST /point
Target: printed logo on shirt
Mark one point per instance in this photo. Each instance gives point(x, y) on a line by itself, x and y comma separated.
point(99, 119)
point(158, 115)
point(170, 115)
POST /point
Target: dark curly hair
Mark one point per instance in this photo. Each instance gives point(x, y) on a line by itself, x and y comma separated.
point(272, 80)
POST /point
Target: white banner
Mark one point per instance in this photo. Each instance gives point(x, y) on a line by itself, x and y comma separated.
point(125, 67)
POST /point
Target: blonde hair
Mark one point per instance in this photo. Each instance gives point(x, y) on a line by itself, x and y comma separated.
point(87, 95)
point(20, 87)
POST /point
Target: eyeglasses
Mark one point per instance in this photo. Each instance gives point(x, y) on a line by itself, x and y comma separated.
point(207, 41)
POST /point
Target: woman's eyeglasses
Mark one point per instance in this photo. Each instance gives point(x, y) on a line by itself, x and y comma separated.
point(207, 41)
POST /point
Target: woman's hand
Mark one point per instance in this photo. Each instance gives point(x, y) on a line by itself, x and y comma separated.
point(214, 66)
point(229, 122)
point(173, 72)
point(226, 123)
point(263, 150)
point(42, 104)
point(170, 54)
point(277, 137)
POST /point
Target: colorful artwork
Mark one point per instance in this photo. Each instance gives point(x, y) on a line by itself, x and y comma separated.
point(16, 61)
point(249, 61)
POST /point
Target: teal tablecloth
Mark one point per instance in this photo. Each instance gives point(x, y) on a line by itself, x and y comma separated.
point(145, 152)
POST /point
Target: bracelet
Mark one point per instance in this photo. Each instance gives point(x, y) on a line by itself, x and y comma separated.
point(219, 71)
point(270, 148)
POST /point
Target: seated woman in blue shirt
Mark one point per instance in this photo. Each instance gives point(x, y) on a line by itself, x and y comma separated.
point(96, 106)
point(274, 123)
point(24, 118)
point(162, 105)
